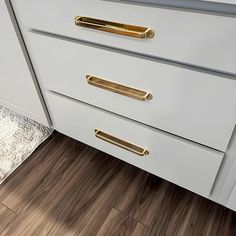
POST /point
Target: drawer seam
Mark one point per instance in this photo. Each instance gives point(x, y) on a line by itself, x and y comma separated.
point(206, 70)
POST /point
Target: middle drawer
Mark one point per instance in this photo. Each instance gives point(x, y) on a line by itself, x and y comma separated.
point(188, 103)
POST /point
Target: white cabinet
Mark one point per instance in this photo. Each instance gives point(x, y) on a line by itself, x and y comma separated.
point(18, 91)
point(232, 200)
point(187, 122)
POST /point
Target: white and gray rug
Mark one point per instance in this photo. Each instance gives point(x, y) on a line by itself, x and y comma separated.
point(19, 137)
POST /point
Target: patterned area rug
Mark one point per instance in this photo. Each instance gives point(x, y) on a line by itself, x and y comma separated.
point(19, 137)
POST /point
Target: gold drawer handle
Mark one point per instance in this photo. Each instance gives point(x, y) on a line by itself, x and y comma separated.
point(116, 28)
point(118, 88)
point(121, 143)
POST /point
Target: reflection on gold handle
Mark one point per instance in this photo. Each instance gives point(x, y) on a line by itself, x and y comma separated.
point(118, 88)
point(116, 28)
point(121, 143)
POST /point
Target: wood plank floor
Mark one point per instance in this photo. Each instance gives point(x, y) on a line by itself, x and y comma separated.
point(67, 188)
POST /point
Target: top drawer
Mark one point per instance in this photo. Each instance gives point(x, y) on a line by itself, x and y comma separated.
point(193, 38)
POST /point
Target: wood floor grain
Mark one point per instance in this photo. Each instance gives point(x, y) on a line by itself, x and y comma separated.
point(68, 188)
point(120, 224)
point(6, 217)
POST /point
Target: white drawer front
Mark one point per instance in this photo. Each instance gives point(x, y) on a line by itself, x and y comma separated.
point(232, 200)
point(197, 106)
point(179, 161)
point(200, 39)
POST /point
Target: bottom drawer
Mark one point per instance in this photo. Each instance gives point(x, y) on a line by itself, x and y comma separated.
point(182, 162)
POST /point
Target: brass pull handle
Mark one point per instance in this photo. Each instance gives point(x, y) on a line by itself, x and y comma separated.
point(113, 27)
point(121, 143)
point(118, 88)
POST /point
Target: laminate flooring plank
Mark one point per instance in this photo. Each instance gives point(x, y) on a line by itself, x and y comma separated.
point(68, 188)
point(78, 199)
point(6, 217)
point(127, 201)
point(38, 206)
point(143, 197)
point(140, 230)
point(171, 211)
point(118, 223)
point(37, 218)
point(208, 218)
point(20, 188)
point(96, 199)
